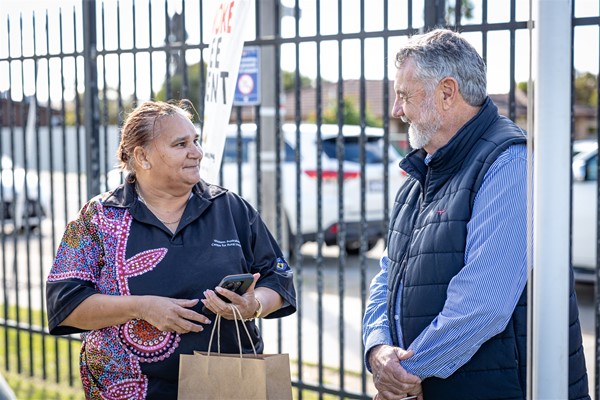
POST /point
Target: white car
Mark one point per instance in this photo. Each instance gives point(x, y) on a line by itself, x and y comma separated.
point(584, 146)
point(22, 203)
point(244, 160)
point(353, 179)
point(584, 209)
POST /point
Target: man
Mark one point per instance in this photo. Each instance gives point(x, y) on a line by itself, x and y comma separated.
point(451, 290)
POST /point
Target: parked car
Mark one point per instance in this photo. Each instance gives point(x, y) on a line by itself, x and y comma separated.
point(329, 172)
point(584, 209)
point(23, 205)
point(584, 146)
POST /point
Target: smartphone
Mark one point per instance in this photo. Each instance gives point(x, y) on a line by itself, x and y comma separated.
point(237, 283)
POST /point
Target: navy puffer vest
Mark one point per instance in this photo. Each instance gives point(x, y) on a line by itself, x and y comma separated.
point(426, 250)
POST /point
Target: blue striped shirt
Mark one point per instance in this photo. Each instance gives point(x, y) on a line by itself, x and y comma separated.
point(482, 296)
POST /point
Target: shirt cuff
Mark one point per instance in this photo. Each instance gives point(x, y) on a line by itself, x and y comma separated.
point(375, 338)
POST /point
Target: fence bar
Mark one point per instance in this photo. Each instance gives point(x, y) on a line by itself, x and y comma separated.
point(171, 36)
point(91, 117)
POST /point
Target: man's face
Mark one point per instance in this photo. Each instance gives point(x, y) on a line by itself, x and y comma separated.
point(416, 106)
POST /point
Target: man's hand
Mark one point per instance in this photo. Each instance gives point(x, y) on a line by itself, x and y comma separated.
point(390, 379)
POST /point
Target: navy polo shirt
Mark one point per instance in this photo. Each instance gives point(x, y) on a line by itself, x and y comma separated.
point(117, 246)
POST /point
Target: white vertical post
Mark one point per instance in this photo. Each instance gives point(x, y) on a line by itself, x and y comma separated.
point(551, 175)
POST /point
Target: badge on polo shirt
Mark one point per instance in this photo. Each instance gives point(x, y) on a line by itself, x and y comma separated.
point(282, 265)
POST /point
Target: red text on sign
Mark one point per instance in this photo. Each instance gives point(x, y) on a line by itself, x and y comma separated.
point(222, 21)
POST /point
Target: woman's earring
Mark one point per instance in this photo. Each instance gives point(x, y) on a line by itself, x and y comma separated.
point(146, 165)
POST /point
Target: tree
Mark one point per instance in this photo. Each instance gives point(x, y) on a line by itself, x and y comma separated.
point(289, 81)
point(176, 82)
point(466, 11)
point(351, 115)
point(522, 86)
point(585, 86)
point(586, 89)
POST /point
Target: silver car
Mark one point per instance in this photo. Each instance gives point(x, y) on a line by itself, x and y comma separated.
point(23, 204)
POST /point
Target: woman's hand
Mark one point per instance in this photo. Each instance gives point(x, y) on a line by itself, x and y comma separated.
point(247, 303)
point(169, 314)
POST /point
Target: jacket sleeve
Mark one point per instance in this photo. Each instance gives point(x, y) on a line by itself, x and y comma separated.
point(376, 328)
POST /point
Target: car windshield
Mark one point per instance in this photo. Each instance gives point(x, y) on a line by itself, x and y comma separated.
point(373, 149)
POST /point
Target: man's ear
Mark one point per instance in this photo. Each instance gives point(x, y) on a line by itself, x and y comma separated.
point(449, 92)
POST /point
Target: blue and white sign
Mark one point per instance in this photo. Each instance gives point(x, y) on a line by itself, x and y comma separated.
point(247, 89)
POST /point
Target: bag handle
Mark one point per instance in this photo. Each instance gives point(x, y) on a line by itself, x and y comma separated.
point(217, 326)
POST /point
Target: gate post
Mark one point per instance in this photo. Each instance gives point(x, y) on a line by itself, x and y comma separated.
point(91, 116)
point(268, 29)
point(434, 14)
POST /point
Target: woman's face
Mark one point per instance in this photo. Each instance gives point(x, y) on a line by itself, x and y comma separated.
point(174, 154)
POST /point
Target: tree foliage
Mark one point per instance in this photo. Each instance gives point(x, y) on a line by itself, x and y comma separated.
point(176, 81)
point(351, 115)
point(289, 81)
point(192, 93)
point(466, 10)
point(586, 89)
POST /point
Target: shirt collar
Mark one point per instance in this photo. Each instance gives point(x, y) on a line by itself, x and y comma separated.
point(125, 195)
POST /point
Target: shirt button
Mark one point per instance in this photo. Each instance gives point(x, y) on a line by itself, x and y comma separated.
point(396, 317)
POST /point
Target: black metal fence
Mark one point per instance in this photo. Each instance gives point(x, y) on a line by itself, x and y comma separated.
point(69, 73)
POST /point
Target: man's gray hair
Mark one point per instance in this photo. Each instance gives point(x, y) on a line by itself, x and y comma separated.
point(443, 53)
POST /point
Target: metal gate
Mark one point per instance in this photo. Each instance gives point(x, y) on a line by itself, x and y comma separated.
point(70, 71)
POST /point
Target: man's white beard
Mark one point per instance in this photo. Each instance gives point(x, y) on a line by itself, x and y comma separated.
point(420, 134)
point(418, 139)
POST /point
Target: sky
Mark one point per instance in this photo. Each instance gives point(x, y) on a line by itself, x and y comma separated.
point(377, 64)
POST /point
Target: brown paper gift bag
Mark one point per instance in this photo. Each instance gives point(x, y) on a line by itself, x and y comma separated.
point(234, 376)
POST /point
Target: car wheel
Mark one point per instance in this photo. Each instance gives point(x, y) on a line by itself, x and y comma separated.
point(289, 241)
point(353, 247)
point(31, 227)
point(31, 217)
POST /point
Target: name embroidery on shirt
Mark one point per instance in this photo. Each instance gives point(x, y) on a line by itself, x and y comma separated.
point(226, 243)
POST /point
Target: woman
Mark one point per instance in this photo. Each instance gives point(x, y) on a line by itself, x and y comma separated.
point(134, 270)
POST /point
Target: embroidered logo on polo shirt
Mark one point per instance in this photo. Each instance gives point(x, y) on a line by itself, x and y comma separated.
point(282, 265)
point(226, 243)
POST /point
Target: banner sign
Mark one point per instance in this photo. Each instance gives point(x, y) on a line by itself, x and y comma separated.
point(225, 51)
